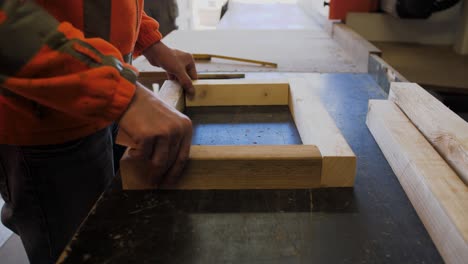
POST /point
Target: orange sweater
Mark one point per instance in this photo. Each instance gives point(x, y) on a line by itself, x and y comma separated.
point(62, 72)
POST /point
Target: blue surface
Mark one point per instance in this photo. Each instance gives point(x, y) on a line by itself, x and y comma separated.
point(244, 125)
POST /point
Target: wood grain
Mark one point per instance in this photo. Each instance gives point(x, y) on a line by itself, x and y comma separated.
point(444, 129)
point(236, 167)
point(436, 192)
point(316, 127)
point(239, 92)
point(172, 93)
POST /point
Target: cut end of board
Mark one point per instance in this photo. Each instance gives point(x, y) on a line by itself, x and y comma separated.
point(338, 171)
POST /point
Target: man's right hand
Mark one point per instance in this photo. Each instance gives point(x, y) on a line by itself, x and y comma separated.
point(160, 134)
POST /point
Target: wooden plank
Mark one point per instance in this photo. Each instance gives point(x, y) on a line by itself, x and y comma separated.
point(172, 93)
point(355, 46)
point(150, 78)
point(208, 57)
point(436, 192)
point(236, 167)
point(239, 92)
point(156, 75)
point(316, 127)
point(444, 129)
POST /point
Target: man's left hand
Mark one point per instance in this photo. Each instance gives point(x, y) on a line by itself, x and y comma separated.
point(179, 65)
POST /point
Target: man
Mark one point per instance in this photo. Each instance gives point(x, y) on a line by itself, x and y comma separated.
point(64, 82)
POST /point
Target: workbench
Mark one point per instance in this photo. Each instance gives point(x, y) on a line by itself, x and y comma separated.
point(372, 223)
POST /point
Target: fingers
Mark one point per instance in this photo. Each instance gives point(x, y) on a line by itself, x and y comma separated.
point(143, 150)
point(171, 153)
point(171, 76)
point(160, 161)
point(187, 72)
point(192, 69)
point(186, 82)
point(175, 171)
point(164, 141)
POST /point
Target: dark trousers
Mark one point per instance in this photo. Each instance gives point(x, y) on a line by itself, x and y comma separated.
point(49, 190)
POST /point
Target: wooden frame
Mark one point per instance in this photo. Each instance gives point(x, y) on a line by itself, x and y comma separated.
point(325, 159)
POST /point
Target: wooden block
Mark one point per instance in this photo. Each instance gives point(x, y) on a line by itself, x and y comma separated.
point(316, 127)
point(236, 167)
point(172, 93)
point(444, 129)
point(436, 192)
point(239, 92)
point(158, 75)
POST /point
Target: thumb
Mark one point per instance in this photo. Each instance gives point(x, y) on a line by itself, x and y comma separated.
point(186, 83)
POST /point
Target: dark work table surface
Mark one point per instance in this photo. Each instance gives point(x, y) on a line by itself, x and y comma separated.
point(374, 222)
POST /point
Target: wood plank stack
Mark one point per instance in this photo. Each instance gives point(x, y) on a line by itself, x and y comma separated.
point(426, 145)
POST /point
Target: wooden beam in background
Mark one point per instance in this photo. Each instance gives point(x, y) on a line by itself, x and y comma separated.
point(444, 129)
point(436, 192)
point(208, 57)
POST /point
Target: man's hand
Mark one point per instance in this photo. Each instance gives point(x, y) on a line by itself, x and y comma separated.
point(160, 134)
point(179, 65)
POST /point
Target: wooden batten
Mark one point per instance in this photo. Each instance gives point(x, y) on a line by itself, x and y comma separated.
point(239, 92)
point(436, 192)
point(316, 127)
point(444, 129)
point(236, 167)
point(172, 93)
